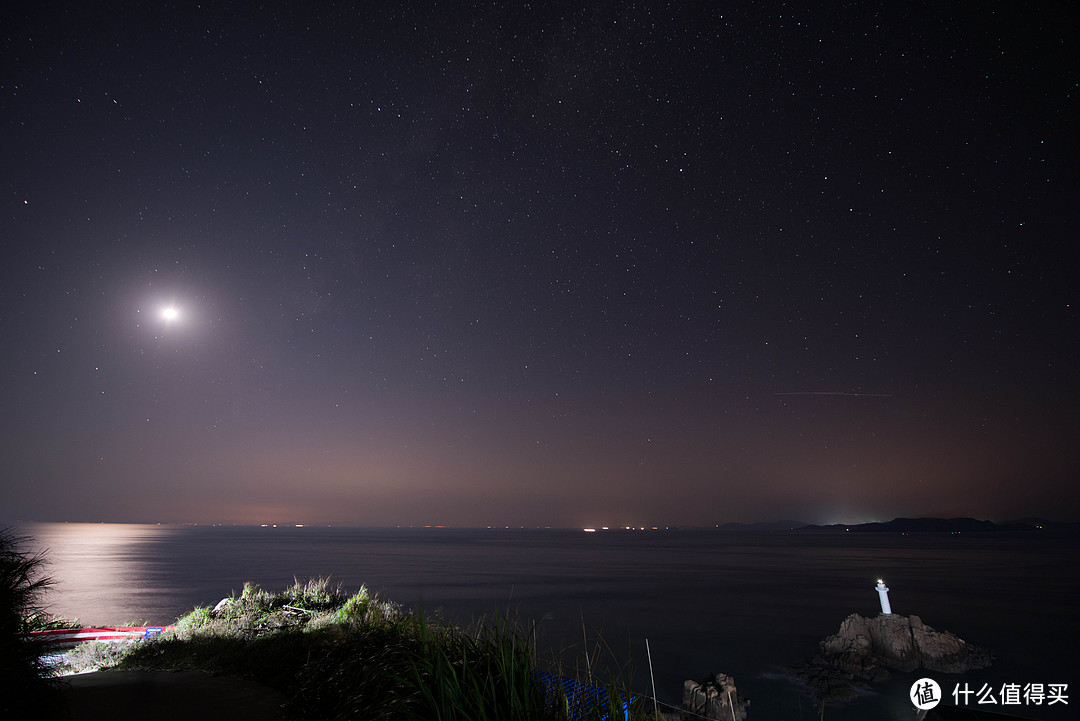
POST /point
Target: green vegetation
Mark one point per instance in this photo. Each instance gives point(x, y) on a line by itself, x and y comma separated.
point(337, 656)
point(41, 621)
point(22, 586)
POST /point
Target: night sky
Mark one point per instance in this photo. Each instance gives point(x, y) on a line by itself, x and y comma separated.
point(556, 264)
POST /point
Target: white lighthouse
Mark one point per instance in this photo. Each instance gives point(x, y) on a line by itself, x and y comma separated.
point(883, 594)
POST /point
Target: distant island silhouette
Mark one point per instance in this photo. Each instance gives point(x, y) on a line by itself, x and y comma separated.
point(947, 525)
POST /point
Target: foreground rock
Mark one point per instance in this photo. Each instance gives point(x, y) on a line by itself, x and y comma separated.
point(865, 649)
point(714, 698)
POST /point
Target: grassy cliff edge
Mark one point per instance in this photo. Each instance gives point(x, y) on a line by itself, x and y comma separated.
point(341, 656)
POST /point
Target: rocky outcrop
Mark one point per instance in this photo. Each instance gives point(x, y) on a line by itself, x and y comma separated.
point(864, 649)
point(903, 643)
point(714, 697)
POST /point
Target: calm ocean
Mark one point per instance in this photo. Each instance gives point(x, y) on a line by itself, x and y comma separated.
point(743, 603)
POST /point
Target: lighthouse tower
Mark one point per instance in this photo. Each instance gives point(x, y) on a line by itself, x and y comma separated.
point(883, 594)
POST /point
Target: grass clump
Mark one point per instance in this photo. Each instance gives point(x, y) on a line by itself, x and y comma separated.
point(316, 595)
point(199, 618)
point(355, 609)
point(340, 656)
point(41, 621)
point(94, 655)
point(480, 675)
point(26, 680)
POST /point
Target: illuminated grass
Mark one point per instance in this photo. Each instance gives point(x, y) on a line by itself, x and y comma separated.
point(336, 656)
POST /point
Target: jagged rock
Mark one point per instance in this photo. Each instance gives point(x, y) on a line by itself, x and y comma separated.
point(715, 697)
point(903, 643)
point(221, 606)
point(863, 650)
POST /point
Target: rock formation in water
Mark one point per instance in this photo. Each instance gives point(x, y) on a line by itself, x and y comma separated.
point(903, 643)
point(715, 697)
point(864, 648)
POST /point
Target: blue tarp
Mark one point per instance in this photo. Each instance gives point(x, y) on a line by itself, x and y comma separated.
point(582, 699)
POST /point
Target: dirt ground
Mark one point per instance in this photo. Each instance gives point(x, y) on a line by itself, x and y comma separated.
point(169, 696)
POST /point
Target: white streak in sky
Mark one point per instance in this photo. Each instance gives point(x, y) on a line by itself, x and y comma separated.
point(833, 393)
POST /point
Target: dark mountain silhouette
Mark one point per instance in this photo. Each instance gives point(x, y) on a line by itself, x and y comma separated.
point(947, 525)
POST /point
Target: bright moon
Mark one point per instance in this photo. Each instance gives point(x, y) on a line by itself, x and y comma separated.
point(170, 314)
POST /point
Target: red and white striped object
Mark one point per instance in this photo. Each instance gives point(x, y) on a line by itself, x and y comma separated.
point(71, 637)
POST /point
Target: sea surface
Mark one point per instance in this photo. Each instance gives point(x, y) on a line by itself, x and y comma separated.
point(690, 602)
